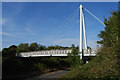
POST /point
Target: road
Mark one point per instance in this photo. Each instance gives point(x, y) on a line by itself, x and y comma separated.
point(51, 75)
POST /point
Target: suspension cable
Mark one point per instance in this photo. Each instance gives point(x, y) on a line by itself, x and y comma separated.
point(94, 16)
point(66, 22)
point(73, 21)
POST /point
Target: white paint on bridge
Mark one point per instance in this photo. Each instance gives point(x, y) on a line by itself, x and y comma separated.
point(45, 53)
point(54, 53)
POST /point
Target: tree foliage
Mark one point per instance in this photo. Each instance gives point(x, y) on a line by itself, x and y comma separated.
point(33, 46)
point(111, 35)
point(23, 47)
point(11, 51)
point(107, 64)
point(74, 57)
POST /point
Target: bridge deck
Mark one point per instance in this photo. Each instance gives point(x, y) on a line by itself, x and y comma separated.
point(50, 53)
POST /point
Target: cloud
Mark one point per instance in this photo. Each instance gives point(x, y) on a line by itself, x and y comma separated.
point(6, 34)
point(66, 42)
point(30, 31)
point(19, 8)
point(4, 21)
point(69, 42)
point(92, 44)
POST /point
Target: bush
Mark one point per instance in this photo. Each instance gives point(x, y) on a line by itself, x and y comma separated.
point(107, 64)
point(40, 67)
point(103, 66)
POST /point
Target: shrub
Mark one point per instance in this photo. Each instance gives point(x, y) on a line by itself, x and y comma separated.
point(40, 67)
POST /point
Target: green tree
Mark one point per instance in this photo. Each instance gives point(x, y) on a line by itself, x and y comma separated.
point(41, 47)
point(111, 35)
point(5, 52)
point(33, 46)
point(10, 52)
point(51, 47)
point(106, 64)
point(23, 48)
point(73, 57)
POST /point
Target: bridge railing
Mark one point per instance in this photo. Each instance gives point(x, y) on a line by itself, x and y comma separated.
point(90, 51)
point(56, 53)
point(39, 53)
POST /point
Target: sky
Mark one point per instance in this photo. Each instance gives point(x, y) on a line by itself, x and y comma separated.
point(43, 22)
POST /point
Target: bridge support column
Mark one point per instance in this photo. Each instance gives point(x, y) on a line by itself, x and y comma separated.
point(81, 42)
point(84, 31)
point(80, 47)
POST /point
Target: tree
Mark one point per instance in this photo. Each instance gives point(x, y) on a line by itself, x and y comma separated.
point(88, 47)
point(10, 52)
point(51, 47)
point(41, 47)
point(5, 52)
point(106, 65)
point(111, 35)
point(33, 46)
point(23, 48)
point(73, 57)
point(111, 44)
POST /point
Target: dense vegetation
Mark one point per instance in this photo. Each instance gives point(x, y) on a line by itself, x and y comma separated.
point(17, 66)
point(106, 65)
point(37, 47)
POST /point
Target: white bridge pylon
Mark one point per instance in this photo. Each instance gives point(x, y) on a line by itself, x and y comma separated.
point(82, 26)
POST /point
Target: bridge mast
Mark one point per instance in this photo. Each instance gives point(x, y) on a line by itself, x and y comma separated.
point(84, 32)
point(80, 47)
point(81, 42)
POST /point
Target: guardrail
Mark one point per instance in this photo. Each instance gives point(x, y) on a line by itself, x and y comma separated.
point(54, 53)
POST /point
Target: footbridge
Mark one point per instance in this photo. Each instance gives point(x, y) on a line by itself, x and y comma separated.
point(55, 53)
point(82, 52)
